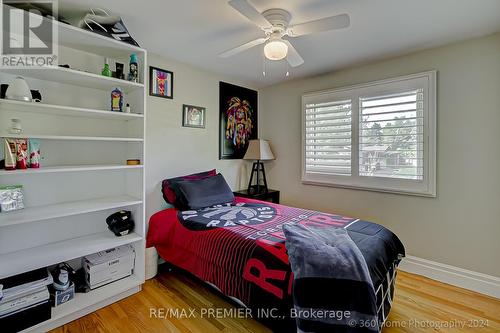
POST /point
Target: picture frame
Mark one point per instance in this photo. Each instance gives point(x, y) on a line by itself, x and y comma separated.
point(238, 123)
point(193, 116)
point(161, 82)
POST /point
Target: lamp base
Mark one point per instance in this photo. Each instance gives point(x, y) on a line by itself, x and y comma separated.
point(257, 167)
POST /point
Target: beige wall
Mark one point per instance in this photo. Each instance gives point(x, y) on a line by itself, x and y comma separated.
point(461, 227)
point(173, 150)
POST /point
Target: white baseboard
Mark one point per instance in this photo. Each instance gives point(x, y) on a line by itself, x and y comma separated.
point(478, 282)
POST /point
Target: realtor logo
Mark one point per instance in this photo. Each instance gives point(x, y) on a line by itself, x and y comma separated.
point(29, 37)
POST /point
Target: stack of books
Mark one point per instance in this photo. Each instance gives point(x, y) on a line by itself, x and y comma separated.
point(24, 300)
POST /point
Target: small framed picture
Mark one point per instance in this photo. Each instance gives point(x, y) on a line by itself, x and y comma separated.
point(193, 116)
point(161, 83)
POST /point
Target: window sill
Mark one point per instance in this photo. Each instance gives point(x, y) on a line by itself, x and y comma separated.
point(429, 194)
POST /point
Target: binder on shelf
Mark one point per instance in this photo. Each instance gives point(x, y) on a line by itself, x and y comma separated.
point(9, 306)
point(25, 300)
point(24, 284)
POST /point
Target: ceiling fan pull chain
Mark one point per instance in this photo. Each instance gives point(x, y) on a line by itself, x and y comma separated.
point(287, 64)
point(263, 64)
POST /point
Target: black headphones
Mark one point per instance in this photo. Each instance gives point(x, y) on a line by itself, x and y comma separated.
point(120, 223)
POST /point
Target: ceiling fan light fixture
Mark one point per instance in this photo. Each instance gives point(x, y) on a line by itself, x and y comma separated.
point(276, 50)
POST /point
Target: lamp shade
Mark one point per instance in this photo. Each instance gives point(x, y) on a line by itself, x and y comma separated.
point(259, 150)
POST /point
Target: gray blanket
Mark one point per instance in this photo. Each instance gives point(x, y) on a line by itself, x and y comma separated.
point(333, 290)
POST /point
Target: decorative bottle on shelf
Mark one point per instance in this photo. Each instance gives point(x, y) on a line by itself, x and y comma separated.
point(117, 100)
point(133, 74)
point(106, 71)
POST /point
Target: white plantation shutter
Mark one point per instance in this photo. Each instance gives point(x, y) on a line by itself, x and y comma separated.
point(378, 136)
point(391, 135)
point(328, 137)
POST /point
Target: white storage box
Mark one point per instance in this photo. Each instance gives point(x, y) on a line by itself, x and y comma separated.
point(108, 266)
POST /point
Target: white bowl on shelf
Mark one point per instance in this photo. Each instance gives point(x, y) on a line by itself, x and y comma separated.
point(19, 90)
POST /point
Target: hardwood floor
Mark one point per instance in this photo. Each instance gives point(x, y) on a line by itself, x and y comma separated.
point(421, 305)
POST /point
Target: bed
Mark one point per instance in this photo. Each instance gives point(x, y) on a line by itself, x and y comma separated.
point(239, 248)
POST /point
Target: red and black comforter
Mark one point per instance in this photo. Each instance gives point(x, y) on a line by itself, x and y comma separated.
point(240, 248)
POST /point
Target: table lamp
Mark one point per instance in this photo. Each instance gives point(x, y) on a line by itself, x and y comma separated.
point(258, 151)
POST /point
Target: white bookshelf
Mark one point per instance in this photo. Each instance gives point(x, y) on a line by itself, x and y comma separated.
point(83, 176)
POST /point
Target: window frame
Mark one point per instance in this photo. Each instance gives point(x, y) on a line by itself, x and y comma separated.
point(426, 186)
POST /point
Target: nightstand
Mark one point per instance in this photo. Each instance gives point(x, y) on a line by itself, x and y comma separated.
point(271, 195)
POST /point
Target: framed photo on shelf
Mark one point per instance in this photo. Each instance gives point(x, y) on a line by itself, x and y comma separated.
point(238, 120)
point(193, 116)
point(161, 83)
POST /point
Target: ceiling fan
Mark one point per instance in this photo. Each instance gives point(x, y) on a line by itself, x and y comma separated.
point(275, 24)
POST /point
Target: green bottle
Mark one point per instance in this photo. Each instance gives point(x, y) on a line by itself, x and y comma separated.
point(133, 74)
point(106, 71)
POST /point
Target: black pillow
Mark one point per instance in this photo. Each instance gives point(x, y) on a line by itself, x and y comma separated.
point(201, 193)
point(170, 190)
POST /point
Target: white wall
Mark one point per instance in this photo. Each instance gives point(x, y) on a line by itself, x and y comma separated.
point(461, 227)
point(173, 150)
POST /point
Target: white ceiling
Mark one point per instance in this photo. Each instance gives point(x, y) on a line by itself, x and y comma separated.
point(196, 31)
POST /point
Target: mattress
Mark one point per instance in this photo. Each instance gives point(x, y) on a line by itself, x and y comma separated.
point(240, 249)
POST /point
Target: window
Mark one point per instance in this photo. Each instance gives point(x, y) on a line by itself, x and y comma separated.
point(328, 137)
point(376, 136)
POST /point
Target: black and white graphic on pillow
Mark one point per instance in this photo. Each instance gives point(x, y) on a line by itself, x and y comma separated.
point(228, 215)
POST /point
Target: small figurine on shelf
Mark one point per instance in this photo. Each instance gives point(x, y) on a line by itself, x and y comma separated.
point(117, 100)
point(119, 71)
point(10, 154)
point(133, 74)
point(127, 108)
point(22, 153)
point(34, 153)
point(106, 71)
point(62, 289)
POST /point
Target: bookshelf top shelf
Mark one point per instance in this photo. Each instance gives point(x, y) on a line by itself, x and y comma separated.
point(91, 42)
point(88, 41)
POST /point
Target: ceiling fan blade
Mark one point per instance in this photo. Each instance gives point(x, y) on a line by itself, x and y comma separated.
point(293, 57)
point(243, 47)
point(249, 11)
point(327, 23)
